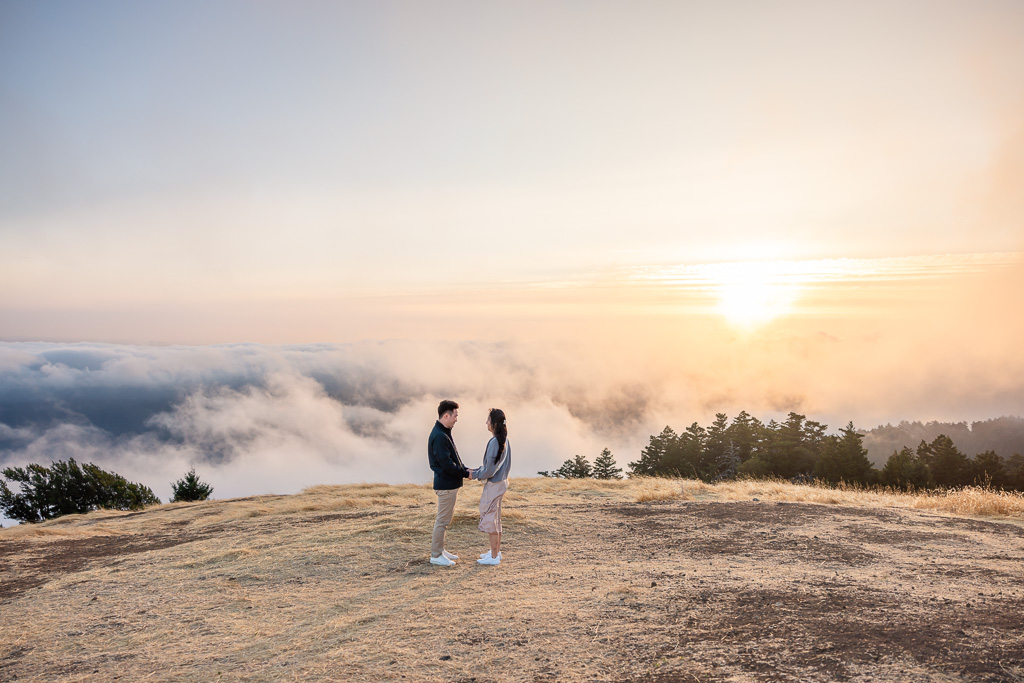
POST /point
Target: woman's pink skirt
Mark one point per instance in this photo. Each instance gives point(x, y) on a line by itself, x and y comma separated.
point(490, 506)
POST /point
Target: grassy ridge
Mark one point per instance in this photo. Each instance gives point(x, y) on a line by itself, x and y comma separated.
point(606, 580)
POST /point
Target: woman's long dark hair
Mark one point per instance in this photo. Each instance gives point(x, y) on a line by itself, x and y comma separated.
point(497, 418)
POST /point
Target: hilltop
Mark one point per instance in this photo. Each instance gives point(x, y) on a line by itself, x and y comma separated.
point(641, 580)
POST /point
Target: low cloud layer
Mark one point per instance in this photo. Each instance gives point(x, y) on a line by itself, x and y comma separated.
point(254, 418)
point(257, 418)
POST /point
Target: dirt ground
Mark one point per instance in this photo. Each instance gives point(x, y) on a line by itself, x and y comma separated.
point(592, 587)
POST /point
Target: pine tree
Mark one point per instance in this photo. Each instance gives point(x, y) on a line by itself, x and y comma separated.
point(987, 470)
point(655, 457)
point(803, 439)
point(716, 446)
point(949, 467)
point(789, 448)
point(190, 488)
point(742, 435)
point(574, 468)
point(905, 470)
point(694, 459)
point(844, 458)
point(67, 488)
point(604, 466)
point(1015, 472)
point(729, 462)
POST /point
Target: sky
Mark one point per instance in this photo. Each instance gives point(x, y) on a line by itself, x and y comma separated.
point(693, 207)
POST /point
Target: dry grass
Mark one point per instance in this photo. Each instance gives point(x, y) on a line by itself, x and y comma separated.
point(613, 580)
point(975, 501)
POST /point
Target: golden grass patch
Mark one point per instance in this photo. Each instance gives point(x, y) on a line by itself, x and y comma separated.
point(974, 501)
point(969, 500)
point(41, 532)
point(647, 490)
point(597, 582)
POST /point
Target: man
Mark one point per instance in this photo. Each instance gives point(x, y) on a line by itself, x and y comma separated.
point(448, 475)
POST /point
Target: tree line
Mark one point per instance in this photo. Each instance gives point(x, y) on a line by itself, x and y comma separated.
point(800, 449)
point(797, 449)
point(579, 467)
point(1004, 435)
point(66, 488)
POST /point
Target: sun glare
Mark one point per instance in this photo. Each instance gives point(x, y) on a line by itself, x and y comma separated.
point(749, 294)
point(752, 294)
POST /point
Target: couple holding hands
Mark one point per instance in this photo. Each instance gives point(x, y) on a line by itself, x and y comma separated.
point(449, 473)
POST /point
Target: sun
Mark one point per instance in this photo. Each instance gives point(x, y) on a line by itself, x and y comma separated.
point(752, 294)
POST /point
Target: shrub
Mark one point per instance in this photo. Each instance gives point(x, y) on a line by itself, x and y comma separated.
point(190, 488)
point(67, 488)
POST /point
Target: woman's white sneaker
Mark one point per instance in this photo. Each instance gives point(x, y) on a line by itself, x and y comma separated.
point(484, 556)
point(489, 559)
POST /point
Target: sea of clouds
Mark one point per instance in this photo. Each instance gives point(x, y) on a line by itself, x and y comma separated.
point(259, 418)
point(255, 418)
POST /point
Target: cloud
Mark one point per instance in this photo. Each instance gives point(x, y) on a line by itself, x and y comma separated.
point(257, 418)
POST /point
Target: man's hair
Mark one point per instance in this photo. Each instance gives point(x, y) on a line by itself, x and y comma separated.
point(446, 406)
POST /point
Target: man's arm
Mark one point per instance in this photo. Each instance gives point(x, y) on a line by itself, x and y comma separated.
point(443, 457)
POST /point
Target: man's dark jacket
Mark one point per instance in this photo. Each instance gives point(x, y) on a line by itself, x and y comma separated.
point(444, 459)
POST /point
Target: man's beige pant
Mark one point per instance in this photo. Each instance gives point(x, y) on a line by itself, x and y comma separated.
point(445, 511)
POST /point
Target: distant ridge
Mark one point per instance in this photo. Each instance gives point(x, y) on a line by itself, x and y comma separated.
point(1004, 435)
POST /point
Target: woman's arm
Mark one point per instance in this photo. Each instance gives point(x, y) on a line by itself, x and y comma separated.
point(490, 466)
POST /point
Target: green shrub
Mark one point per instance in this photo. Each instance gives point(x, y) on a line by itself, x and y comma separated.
point(66, 488)
point(190, 488)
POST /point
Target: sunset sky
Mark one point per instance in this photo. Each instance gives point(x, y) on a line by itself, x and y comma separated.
point(767, 206)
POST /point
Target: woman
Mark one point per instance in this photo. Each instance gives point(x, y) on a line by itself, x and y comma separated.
point(494, 474)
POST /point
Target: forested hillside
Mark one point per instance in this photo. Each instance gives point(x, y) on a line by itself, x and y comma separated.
point(1002, 435)
point(913, 455)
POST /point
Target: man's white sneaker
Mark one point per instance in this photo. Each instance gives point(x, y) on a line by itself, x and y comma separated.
point(451, 556)
point(490, 560)
point(484, 556)
point(442, 561)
